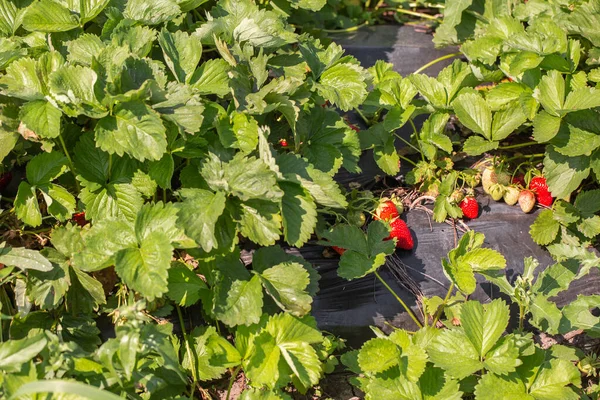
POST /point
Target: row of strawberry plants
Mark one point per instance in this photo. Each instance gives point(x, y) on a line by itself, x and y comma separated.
point(184, 137)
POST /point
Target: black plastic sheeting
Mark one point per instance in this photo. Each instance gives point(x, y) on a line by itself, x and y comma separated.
point(348, 308)
point(402, 46)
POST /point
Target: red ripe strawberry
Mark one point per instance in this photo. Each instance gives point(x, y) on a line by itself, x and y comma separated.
point(5, 179)
point(400, 231)
point(538, 185)
point(526, 200)
point(338, 250)
point(519, 180)
point(544, 199)
point(79, 218)
point(354, 127)
point(469, 207)
point(386, 211)
point(283, 143)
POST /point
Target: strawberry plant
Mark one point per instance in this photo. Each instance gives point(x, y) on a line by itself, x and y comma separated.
point(160, 157)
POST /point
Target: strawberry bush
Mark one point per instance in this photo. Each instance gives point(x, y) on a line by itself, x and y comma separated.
point(161, 160)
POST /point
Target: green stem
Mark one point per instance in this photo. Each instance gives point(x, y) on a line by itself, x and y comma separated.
point(164, 195)
point(437, 60)
point(417, 14)
point(517, 146)
point(351, 29)
point(521, 312)
point(407, 308)
point(232, 380)
point(187, 349)
point(64, 147)
point(408, 143)
point(360, 113)
point(441, 309)
point(416, 132)
point(408, 160)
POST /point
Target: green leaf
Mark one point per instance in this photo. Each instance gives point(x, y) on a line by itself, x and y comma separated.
point(476, 145)
point(184, 285)
point(579, 316)
point(134, 129)
point(61, 204)
point(461, 274)
point(24, 258)
point(343, 85)
point(262, 367)
point(212, 354)
point(287, 284)
point(545, 314)
point(364, 253)
point(86, 293)
point(432, 90)
point(377, 355)
point(26, 205)
point(244, 177)
point(260, 221)
point(551, 92)
point(212, 78)
point(452, 351)
point(239, 302)
point(239, 131)
point(46, 167)
point(545, 228)
point(387, 157)
point(545, 126)
point(182, 53)
point(564, 174)
point(588, 202)
point(494, 387)
point(90, 9)
point(83, 49)
point(484, 325)
point(299, 214)
point(474, 113)
point(42, 118)
point(21, 80)
point(484, 260)
point(145, 267)
point(151, 12)
point(198, 215)
point(506, 121)
point(49, 16)
point(161, 171)
point(15, 353)
point(73, 87)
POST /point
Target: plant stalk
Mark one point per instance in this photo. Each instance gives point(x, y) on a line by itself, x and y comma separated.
point(351, 29)
point(417, 14)
point(517, 146)
point(438, 314)
point(232, 380)
point(407, 308)
point(437, 60)
point(71, 167)
point(188, 350)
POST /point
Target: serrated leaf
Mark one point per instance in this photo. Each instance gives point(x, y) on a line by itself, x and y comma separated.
point(343, 85)
point(545, 228)
point(551, 92)
point(378, 355)
point(564, 174)
point(453, 352)
point(484, 325)
point(60, 203)
point(21, 80)
point(90, 9)
point(49, 16)
point(15, 353)
point(151, 12)
point(198, 214)
point(432, 90)
point(182, 53)
point(212, 354)
point(260, 221)
point(212, 77)
point(26, 205)
point(287, 283)
point(24, 258)
point(579, 316)
point(145, 267)
point(83, 49)
point(298, 212)
point(506, 121)
point(476, 145)
point(474, 113)
point(239, 302)
point(72, 87)
point(134, 129)
point(42, 118)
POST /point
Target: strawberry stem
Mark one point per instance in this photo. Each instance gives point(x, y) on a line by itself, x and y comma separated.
point(441, 308)
point(62, 143)
point(517, 146)
point(407, 308)
point(437, 60)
